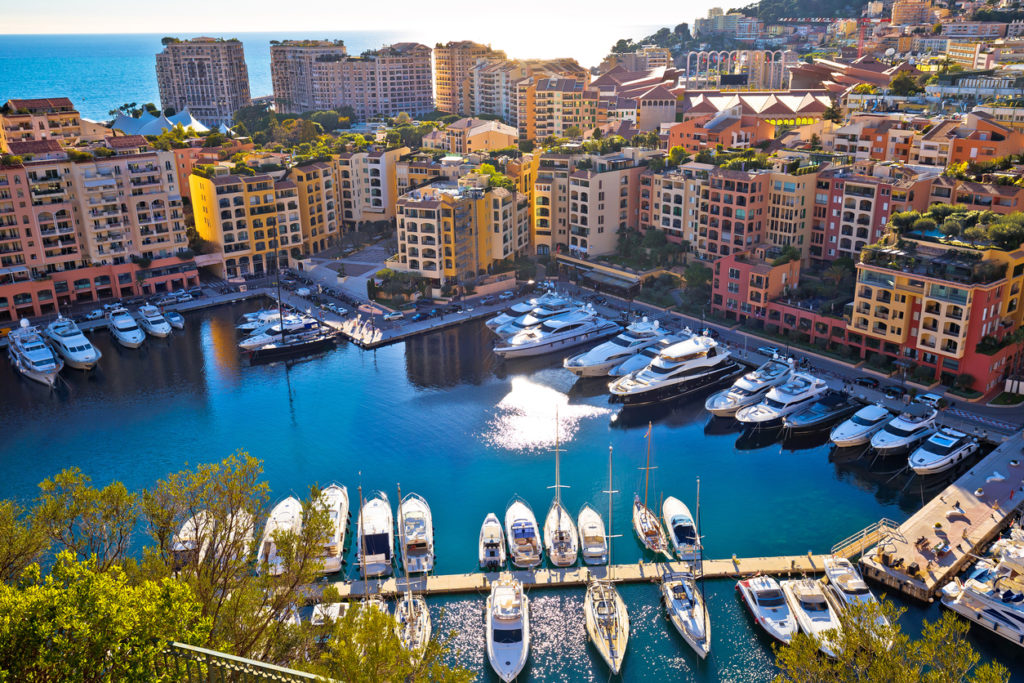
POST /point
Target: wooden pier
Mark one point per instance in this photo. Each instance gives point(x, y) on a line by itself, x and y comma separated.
point(948, 533)
point(480, 582)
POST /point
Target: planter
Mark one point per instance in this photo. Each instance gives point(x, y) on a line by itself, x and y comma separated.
point(979, 492)
point(938, 525)
point(1014, 463)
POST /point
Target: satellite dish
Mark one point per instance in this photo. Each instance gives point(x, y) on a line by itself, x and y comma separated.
point(890, 52)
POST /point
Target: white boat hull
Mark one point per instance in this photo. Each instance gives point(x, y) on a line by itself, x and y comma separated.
point(550, 346)
point(948, 462)
point(595, 370)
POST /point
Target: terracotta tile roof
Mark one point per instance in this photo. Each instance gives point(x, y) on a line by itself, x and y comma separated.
point(34, 147)
point(125, 141)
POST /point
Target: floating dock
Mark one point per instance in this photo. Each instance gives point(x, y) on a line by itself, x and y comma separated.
point(925, 552)
point(480, 582)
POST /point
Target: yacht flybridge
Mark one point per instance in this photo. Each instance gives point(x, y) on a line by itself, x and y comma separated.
point(693, 364)
point(153, 322)
point(912, 426)
point(598, 361)
point(30, 355)
point(523, 535)
point(552, 306)
point(644, 358)
point(993, 594)
point(71, 345)
point(750, 388)
point(799, 391)
point(557, 333)
point(417, 526)
point(124, 328)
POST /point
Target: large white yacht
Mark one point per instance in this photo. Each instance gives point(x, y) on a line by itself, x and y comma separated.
point(992, 596)
point(292, 325)
point(523, 535)
point(286, 516)
point(508, 628)
point(259, 319)
point(861, 426)
point(813, 613)
point(593, 540)
point(552, 307)
point(750, 388)
point(687, 610)
point(767, 604)
point(912, 426)
point(644, 358)
point(334, 499)
point(31, 356)
point(562, 332)
point(682, 532)
point(693, 364)
point(124, 328)
point(71, 345)
point(153, 322)
point(417, 533)
point(546, 301)
point(376, 536)
point(942, 451)
point(598, 361)
point(799, 391)
point(846, 587)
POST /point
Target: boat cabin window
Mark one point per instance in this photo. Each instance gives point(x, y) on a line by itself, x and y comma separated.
point(944, 447)
point(508, 635)
point(625, 342)
point(771, 598)
point(377, 544)
point(897, 431)
point(864, 422)
point(772, 403)
point(813, 605)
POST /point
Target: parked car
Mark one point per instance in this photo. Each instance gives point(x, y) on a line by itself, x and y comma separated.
point(453, 308)
point(928, 399)
point(422, 315)
point(434, 312)
point(94, 314)
point(166, 299)
point(182, 298)
point(394, 315)
point(110, 307)
point(195, 291)
point(768, 350)
point(869, 382)
point(302, 291)
point(893, 391)
point(486, 300)
point(506, 295)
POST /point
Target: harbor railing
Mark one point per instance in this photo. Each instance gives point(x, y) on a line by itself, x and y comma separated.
point(193, 664)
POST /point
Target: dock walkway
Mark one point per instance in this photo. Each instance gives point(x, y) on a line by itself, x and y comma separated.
point(945, 535)
point(480, 582)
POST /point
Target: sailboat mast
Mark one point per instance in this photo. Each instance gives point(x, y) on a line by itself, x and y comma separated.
point(647, 469)
point(609, 511)
point(700, 558)
point(280, 299)
point(362, 541)
point(405, 548)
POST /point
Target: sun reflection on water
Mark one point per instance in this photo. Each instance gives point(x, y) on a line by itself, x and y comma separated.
point(525, 418)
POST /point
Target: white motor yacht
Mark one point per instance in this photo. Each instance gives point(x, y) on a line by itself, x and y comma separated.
point(561, 540)
point(192, 542)
point(593, 540)
point(861, 426)
point(153, 322)
point(561, 332)
point(812, 611)
point(523, 535)
point(912, 426)
point(643, 359)
point(682, 532)
point(286, 516)
point(292, 325)
point(376, 536)
point(845, 585)
point(688, 366)
point(750, 388)
point(799, 391)
point(30, 355)
point(177, 320)
point(508, 628)
point(942, 451)
point(71, 345)
point(492, 544)
point(326, 613)
point(544, 302)
point(417, 532)
point(767, 604)
point(257, 319)
point(124, 328)
point(552, 307)
point(992, 596)
point(598, 361)
point(334, 499)
point(607, 622)
point(687, 610)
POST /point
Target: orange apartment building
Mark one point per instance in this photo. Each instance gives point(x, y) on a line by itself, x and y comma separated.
point(745, 282)
point(710, 131)
point(52, 118)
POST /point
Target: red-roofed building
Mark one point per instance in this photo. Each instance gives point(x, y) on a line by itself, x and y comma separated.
point(39, 119)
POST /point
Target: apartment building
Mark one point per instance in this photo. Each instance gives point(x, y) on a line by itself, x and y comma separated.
point(746, 280)
point(453, 62)
point(971, 54)
point(502, 88)
point(986, 196)
point(976, 137)
point(556, 104)
point(416, 170)
point(452, 233)
point(933, 307)
point(75, 231)
point(603, 199)
point(207, 75)
point(728, 129)
point(789, 209)
point(973, 29)
point(670, 201)
point(645, 58)
point(731, 213)
point(317, 186)
point(254, 221)
point(40, 119)
point(912, 12)
point(368, 185)
point(550, 202)
point(472, 135)
point(300, 76)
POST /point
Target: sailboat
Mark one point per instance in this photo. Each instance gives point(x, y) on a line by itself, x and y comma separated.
point(560, 539)
point(685, 603)
point(607, 619)
point(646, 524)
point(292, 344)
point(411, 613)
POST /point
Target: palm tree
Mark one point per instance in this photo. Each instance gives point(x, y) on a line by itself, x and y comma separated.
point(834, 275)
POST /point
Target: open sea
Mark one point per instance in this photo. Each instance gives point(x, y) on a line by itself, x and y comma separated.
point(101, 72)
point(443, 417)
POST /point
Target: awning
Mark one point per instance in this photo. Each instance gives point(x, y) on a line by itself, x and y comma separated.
point(610, 280)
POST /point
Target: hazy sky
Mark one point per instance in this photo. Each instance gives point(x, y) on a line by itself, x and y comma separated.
point(550, 18)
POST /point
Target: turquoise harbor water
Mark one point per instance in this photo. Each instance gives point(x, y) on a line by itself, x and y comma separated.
point(442, 417)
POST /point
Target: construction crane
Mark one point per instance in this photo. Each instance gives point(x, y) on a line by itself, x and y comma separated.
point(862, 23)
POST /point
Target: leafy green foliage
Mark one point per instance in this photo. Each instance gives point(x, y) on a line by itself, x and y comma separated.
point(904, 84)
point(22, 542)
point(82, 623)
point(789, 254)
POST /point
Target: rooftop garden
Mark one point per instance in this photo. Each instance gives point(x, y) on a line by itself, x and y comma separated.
point(955, 225)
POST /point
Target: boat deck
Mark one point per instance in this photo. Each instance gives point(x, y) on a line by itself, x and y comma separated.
point(480, 582)
point(940, 539)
